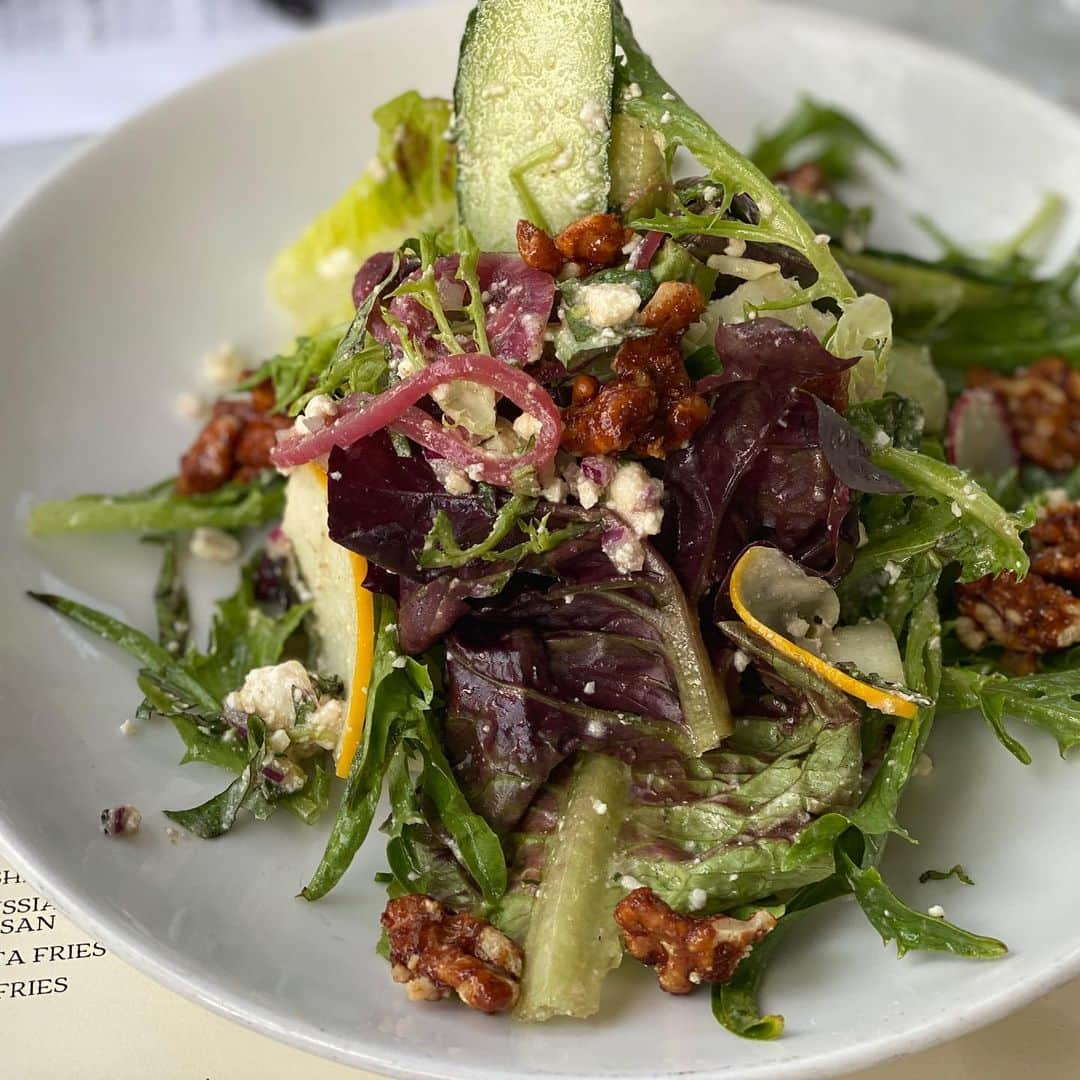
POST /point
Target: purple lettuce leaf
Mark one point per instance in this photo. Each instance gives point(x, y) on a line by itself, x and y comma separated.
point(592, 661)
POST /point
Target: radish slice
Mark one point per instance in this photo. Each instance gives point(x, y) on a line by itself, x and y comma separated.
point(979, 438)
point(362, 415)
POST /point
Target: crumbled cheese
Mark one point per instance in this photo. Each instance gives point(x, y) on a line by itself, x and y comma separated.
point(215, 545)
point(556, 491)
point(956, 511)
point(223, 365)
point(924, 766)
point(936, 911)
point(627, 556)
point(475, 471)
point(735, 248)
point(893, 571)
point(399, 661)
point(190, 406)
point(527, 427)
point(797, 627)
point(665, 117)
point(667, 95)
point(318, 411)
point(629, 882)
point(174, 834)
point(694, 977)
point(337, 263)
point(637, 498)
point(594, 117)
point(128, 728)
point(765, 207)
point(709, 193)
point(590, 687)
point(273, 693)
point(595, 729)
point(633, 244)
point(279, 741)
point(740, 661)
point(599, 806)
point(452, 477)
point(632, 91)
point(824, 239)
point(609, 304)
point(588, 491)
point(697, 899)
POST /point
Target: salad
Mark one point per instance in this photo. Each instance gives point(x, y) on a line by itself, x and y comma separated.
point(616, 528)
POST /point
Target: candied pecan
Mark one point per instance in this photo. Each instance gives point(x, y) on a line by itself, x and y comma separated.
point(584, 388)
point(1031, 616)
point(650, 405)
point(537, 249)
point(257, 439)
point(596, 240)
point(263, 398)
point(609, 422)
point(433, 951)
point(672, 308)
point(211, 458)
point(806, 179)
point(1019, 663)
point(686, 949)
point(1042, 404)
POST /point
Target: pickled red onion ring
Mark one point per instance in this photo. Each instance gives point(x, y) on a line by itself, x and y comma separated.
point(362, 415)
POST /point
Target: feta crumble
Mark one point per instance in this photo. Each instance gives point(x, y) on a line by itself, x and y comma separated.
point(222, 365)
point(128, 727)
point(527, 427)
point(629, 882)
point(589, 687)
point(636, 497)
point(632, 91)
point(608, 304)
point(214, 545)
point(697, 899)
point(740, 661)
point(936, 911)
point(452, 477)
point(736, 248)
point(924, 766)
point(190, 406)
point(599, 806)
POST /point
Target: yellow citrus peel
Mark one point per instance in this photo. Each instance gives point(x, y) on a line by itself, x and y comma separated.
point(884, 701)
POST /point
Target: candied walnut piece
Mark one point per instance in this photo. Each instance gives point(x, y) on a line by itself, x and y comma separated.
point(1019, 663)
point(1055, 541)
point(1029, 616)
point(672, 308)
point(1042, 404)
point(235, 444)
point(433, 951)
point(537, 249)
point(596, 240)
point(685, 949)
point(650, 405)
point(612, 419)
point(257, 439)
point(211, 458)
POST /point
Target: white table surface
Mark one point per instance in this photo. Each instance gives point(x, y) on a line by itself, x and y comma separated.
point(1038, 42)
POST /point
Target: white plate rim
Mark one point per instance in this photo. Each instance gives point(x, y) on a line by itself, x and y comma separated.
point(966, 1018)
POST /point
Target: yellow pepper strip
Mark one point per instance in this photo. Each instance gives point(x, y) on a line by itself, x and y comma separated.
point(884, 701)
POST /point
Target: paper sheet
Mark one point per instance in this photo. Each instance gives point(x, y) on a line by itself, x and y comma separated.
point(70, 67)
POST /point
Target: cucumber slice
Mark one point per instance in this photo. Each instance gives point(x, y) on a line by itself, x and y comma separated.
point(533, 115)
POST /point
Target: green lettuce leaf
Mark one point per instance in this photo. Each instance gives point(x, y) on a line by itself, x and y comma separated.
point(407, 189)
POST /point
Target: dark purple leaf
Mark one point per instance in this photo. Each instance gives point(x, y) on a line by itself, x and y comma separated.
point(849, 456)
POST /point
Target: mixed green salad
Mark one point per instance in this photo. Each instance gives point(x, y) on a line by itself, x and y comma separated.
point(639, 516)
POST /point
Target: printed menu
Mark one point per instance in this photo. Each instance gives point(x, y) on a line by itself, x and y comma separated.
point(70, 1010)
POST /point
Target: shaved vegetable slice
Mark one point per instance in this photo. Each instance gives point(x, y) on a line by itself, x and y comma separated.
point(781, 603)
point(344, 609)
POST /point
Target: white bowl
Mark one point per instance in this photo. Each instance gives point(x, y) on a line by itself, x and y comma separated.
point(150, 248)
